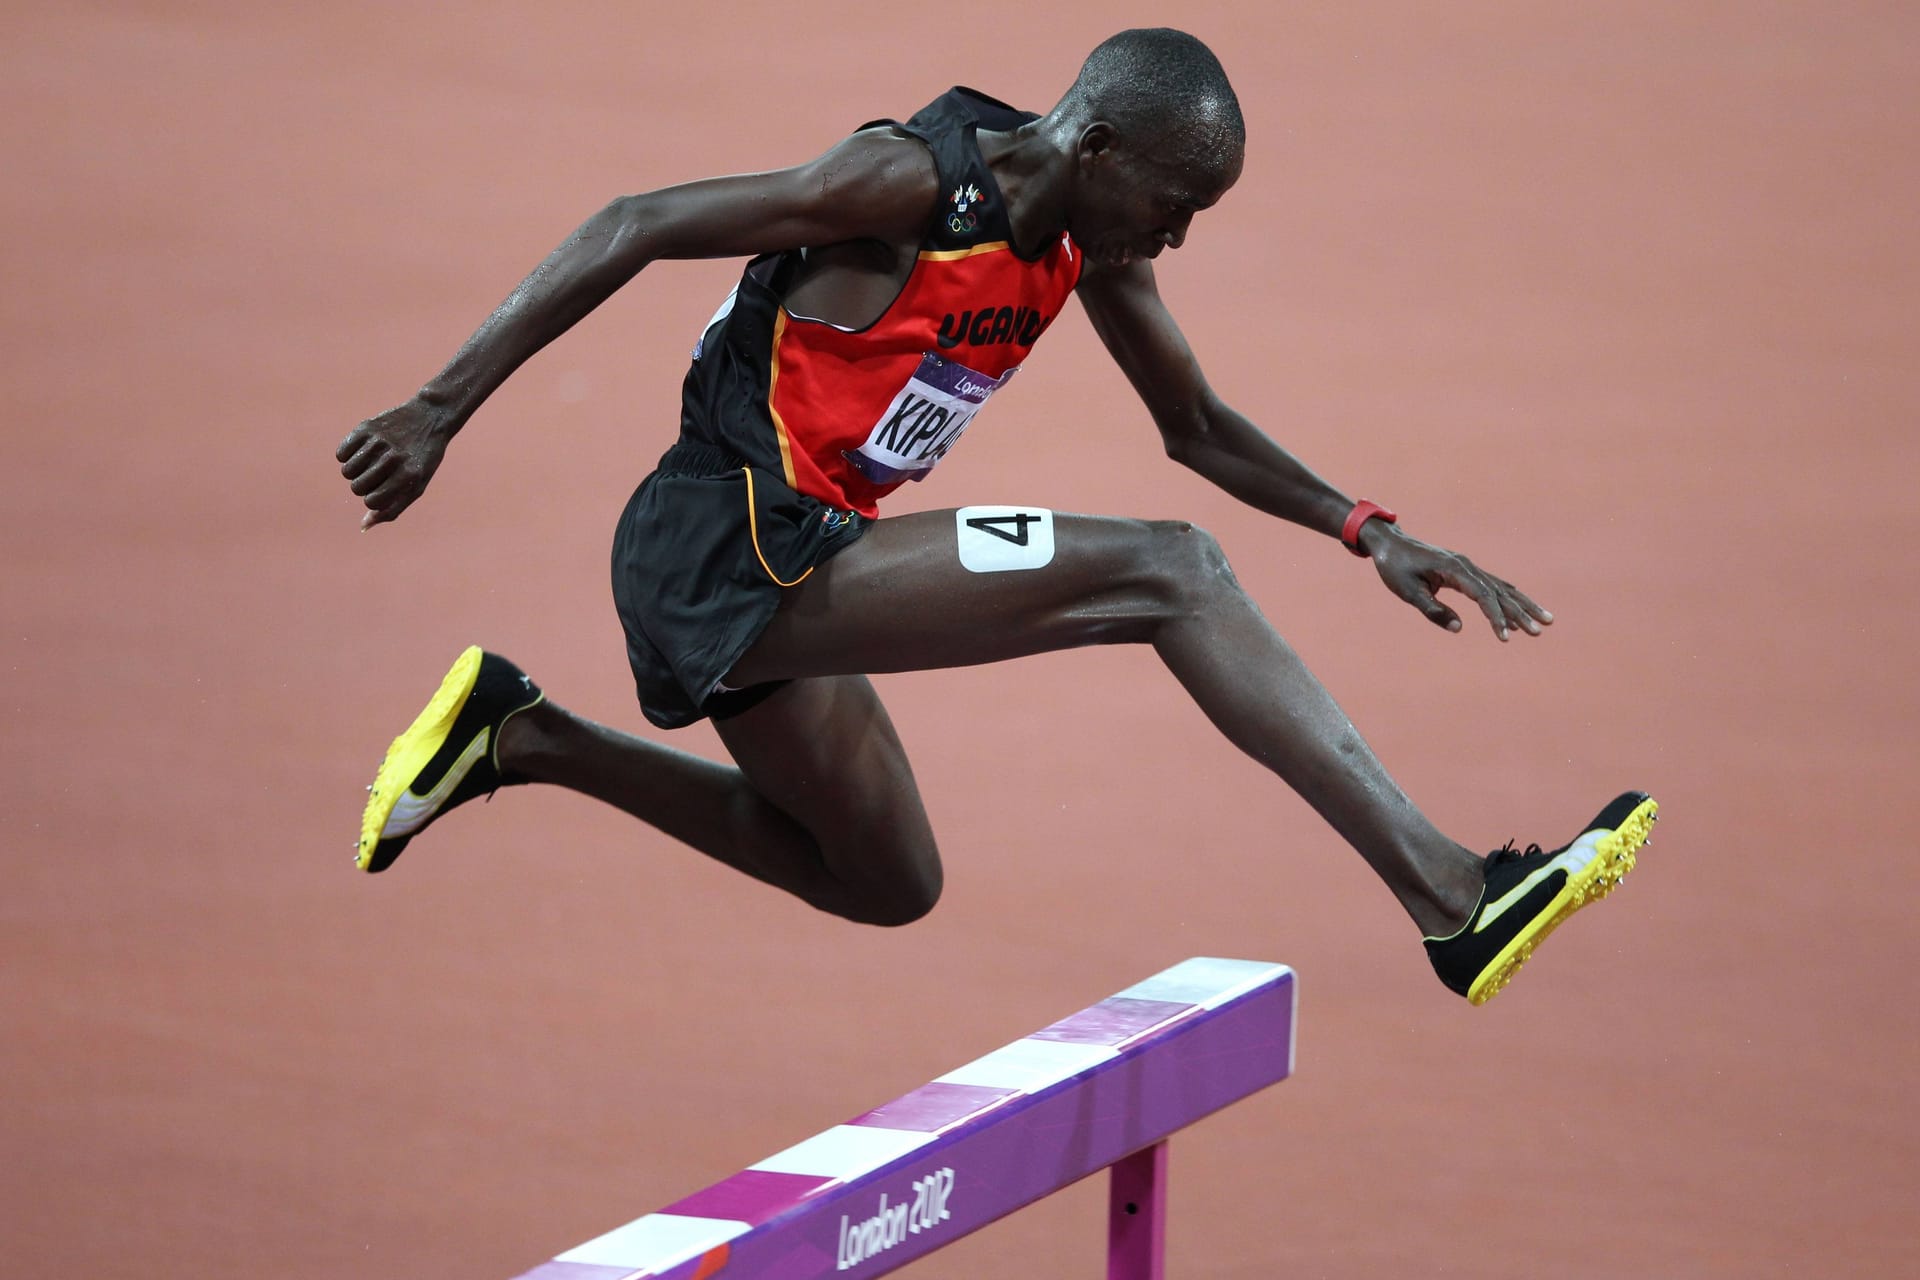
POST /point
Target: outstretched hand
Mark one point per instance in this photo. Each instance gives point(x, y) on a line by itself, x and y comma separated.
point(1415, 571)
point(388, 459)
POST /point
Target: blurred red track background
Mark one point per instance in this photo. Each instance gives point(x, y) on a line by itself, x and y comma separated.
point(1619, 301)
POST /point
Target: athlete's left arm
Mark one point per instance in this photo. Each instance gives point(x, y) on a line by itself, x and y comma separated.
point(1204, 433)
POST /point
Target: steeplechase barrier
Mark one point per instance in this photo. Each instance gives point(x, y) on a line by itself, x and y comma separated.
point(1102, 1089)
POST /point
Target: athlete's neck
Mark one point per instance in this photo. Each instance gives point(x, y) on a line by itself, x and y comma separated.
point(1031, 168)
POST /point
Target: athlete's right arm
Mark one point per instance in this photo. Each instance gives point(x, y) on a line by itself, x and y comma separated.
point(876, 185)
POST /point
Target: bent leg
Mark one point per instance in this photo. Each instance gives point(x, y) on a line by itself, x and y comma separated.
point(900, 599)
point(822, 805)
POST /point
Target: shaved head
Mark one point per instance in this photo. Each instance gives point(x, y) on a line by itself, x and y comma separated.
point(1164, 89)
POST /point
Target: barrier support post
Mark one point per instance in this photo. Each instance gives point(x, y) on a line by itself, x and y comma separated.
point(1137, 1215)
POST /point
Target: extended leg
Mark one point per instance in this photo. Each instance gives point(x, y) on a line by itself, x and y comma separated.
point(901, 599)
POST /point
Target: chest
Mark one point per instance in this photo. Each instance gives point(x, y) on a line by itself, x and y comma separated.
point(984, 307)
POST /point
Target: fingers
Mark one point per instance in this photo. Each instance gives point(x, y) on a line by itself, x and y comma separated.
point(358, 452)
point(1517, 608)
point(1417, 574)
point(1418, 591)
point(385, 479)
point(1506, 608)
point(1529, 610)
point(387, 503)
point(393, 493)
point(350, 445)
point(1485, 593)
point(1437, 613)
point(373, 474)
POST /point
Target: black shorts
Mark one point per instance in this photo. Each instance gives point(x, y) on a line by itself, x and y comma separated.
point(704, 552)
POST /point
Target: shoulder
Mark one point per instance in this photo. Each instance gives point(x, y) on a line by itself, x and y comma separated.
point(881, 170)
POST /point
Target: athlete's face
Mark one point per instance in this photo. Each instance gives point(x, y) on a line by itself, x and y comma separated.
point(1134, 201)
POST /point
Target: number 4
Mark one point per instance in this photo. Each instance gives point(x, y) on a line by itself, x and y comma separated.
point(992, 525)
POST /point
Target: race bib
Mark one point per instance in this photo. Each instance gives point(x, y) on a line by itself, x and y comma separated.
point(924, 420)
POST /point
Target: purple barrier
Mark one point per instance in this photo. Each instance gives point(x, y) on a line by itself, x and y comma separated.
point(1102, 1088)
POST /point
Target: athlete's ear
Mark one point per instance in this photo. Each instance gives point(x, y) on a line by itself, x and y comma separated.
point(1096, 143)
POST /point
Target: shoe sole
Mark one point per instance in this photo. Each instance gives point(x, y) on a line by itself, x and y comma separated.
point(412, 750)
point(1614, 855)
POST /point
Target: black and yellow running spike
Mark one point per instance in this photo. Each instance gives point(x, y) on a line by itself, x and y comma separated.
point(1527, 895)
point(447, 756)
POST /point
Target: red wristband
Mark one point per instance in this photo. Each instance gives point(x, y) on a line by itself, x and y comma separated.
point(1362, 512)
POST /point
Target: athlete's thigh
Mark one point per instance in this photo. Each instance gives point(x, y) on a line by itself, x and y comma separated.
point(947, 589)
point(824, 751)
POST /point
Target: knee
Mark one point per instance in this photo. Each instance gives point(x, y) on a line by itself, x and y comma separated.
point(1187, 566)
point(899, 902)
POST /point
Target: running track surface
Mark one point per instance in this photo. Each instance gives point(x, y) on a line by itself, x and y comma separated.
point(1620, 302)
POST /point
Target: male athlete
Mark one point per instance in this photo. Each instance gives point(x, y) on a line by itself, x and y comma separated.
point(898, 282)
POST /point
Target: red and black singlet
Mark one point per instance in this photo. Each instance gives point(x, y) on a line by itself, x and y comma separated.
point(847, 416)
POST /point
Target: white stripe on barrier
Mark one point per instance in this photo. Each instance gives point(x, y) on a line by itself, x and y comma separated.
point(664, 1240)
point(844, 1152)
point(1204, 981)
point(1030, 1065)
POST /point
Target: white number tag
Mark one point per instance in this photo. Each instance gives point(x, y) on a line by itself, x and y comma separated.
point(997, 539)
